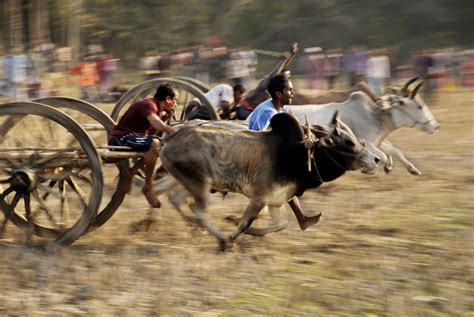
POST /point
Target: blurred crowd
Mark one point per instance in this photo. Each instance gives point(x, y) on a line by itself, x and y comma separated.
point(208, 64)
point(24, 74)
point(444, 69)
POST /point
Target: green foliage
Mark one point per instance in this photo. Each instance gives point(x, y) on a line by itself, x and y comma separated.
point(129, 28)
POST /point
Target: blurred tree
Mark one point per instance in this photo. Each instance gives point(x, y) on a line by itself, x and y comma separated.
point(15, 22)
point(129, 28)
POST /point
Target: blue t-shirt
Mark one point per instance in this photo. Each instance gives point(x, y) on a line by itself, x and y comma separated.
point(262, 115)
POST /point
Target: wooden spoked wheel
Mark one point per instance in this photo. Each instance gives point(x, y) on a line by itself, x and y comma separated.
point(100, 130)
point(186, 89)
point(50, 175)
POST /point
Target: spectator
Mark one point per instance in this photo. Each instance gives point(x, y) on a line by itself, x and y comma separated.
point(378, 70)
point(89, 79)
point(333, 67)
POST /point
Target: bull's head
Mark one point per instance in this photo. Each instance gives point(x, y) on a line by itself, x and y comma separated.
point(343, 148)
point(407, 109)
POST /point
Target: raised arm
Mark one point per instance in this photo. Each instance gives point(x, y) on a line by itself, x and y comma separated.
point(259, 94)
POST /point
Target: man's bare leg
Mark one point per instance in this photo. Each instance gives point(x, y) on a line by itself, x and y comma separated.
point(149, 159)
point(304, 221)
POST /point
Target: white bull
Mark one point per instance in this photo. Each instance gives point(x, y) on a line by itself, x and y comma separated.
point(373, 122)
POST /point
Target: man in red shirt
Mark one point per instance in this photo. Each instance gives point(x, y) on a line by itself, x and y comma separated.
point(137, 126)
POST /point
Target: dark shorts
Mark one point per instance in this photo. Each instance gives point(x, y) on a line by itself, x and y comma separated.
point(137, 141)
point(242, 113)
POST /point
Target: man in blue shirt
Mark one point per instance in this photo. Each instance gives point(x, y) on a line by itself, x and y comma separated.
point(281, 90)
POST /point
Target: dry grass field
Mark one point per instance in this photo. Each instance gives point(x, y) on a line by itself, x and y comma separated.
point(389, 245)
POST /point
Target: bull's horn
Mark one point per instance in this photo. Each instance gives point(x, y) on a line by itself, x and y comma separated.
point(335, 123)
point(409, 82)
point(413, 93)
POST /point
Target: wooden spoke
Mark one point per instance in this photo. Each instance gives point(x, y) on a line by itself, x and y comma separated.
point(43, 207)
point(6, 192)
point(29, 218)
point(49, 188)
point(8, 213)
point(42, 161)
point(5, 181)
point(80, 176)
point(64, 204)
point(75, 186)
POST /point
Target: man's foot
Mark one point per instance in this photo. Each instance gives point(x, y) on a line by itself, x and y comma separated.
point(151, 198)
point(310, 221)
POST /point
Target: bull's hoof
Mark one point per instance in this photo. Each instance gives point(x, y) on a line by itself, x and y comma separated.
point(414, 171)
point(387, 169)
point(311, 221)
point(231, 218)
point(225, 245)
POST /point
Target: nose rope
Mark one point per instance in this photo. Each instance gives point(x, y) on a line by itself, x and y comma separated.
point(334, 161)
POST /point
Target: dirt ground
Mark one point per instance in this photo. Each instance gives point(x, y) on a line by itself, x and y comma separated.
point(389, 245)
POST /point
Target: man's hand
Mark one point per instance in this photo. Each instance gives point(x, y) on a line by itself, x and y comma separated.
point(293, 50)
point(165, 116)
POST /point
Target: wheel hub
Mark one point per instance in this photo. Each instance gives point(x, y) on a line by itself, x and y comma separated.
point(23, 180)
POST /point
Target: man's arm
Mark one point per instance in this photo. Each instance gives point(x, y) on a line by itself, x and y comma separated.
point(259, 94)
point(159, 125)
point(287, 57)
point(225, 106)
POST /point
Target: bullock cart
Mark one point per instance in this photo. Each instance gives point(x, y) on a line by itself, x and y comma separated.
point(53, 162)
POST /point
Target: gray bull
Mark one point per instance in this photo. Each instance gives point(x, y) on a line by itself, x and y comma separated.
point(268, 167)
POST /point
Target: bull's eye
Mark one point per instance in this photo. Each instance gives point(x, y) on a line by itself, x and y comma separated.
point(420, 107)
point(362, 142)
point(401, 102)
point(327, 141)
point(349, 143)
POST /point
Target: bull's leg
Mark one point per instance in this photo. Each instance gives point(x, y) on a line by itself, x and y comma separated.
point(166, 184)
point(277, 223)
point(254, 207)
point(199, 209)
point(176, 198)
point(390, 149)
point(197, 186)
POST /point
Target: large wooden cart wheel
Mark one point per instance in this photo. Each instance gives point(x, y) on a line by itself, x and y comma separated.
point(50, 174)
point(187, 91)
point(114, 191)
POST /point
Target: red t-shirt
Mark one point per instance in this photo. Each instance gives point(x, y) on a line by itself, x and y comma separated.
point(135, 118)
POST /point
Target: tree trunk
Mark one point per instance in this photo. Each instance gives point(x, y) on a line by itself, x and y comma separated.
point(74, 29)
point(15, 22)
